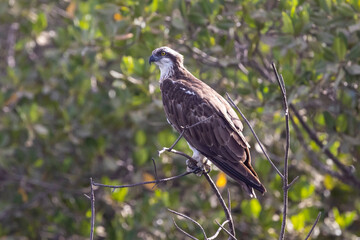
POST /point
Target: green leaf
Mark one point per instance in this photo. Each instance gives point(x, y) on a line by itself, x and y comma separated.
point(329, 182)
point(298, 221)
point(340, 47)
point(140, 138)
point(287, 24)
point(40, 23)
point(329, 120)
point(166, 138)
point(301, 190)
point(307, 191)
point(119, 194)
point(251, 208)
point(141, 155)
point(344, 220)
point(341, 123)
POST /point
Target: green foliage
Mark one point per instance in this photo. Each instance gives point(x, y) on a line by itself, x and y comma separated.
point(251, 208)
point(79, 99)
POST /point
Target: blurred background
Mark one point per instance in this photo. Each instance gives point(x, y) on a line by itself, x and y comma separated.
point(79, 99)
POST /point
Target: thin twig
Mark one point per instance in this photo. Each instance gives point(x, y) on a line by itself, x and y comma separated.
point(174, 144)
point(222, 202)
point(155, 171)
point(256, 137)
point(92, 201)
point(219, 230)
point(281, 83)
point(183, 231)
point(313, 227)
point(189, 218)
point(292, 182)
point(229, 200)
point(227, 231)
point(143, 183)
point(184, 129)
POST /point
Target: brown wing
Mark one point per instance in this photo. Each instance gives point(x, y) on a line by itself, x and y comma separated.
point(219, 138)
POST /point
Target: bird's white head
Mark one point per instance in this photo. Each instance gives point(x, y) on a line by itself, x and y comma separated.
point(168, 60)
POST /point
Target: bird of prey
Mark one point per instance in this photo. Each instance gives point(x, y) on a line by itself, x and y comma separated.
point(215, 131)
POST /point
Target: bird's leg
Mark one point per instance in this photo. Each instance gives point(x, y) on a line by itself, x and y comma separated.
point(201, 165)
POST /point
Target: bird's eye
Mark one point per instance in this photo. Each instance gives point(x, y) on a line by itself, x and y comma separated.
point(163, 53)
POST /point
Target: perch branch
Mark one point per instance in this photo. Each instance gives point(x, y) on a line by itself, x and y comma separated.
point(143, 183)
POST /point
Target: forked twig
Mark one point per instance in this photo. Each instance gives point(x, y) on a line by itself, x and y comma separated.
point(183, 231)
point(227, 231)
point(292, 182)
point(219, 229)
point(192, 220)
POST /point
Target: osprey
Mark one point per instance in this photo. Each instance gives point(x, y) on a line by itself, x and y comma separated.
point(214, 130)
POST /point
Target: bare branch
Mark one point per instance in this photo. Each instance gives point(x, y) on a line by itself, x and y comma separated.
point(256, 137)
point(189, 218)
point(219, 230)
point(313, 227)
point(232, 236)
point(222, 202)
point(155, 171)
point(183, 231)
point(143, 183)
point(292, 182)
point(92, 200)
point(229, 200)
point(174, 144)
point(281, 83)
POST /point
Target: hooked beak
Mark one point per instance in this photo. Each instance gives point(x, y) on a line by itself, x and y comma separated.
point(152, 59)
